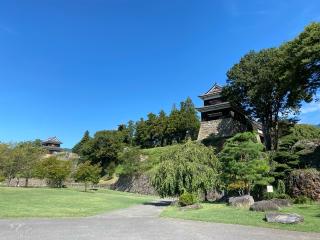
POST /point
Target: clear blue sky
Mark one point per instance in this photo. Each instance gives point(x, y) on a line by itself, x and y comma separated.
point(71, 65)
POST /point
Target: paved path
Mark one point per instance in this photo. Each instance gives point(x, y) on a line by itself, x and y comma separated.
point(136, 223)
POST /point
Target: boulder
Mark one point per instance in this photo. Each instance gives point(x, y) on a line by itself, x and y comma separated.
point(281, 202)
point(264, 206)
point(243, 201)
point(286, 218)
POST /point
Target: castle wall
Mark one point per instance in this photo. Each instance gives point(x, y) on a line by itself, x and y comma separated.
point(224, 127)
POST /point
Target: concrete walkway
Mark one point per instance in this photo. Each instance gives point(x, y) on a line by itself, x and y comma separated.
point(136, 223)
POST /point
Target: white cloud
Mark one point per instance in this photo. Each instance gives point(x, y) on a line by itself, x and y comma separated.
point(311, 107)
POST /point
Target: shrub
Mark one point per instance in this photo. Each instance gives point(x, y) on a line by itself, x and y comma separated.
point(243, 159)
point(130, 160)
point(282, 196)
point(269, 195)
point(301, 200)
point(281, 188)
point(187, 199)
point(273, 195)
point(304, 182)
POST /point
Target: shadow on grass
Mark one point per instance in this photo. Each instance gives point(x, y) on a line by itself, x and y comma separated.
point(163, 203)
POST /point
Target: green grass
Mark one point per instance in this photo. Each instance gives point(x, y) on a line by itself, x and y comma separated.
point(153, 159)
point(46, 202)
point(155, 153)
point(222, 213)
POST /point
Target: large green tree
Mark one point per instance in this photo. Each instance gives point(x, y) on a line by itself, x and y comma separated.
point(244, 162)
point(55, 171)
point(272, 83)
point(8, 165)
point(255, 84)
point(190, 167)
point(103, 149)
point(301, 68)
point(29, 155)
point(78, 147)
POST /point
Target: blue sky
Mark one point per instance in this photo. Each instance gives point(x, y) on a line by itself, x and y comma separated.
point(71, 65)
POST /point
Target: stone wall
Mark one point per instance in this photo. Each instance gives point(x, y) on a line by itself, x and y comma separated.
point(135, 184)
point(32, 182)
point(224, 127)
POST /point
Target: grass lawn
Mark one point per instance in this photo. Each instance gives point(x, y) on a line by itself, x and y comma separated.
point(221, 213)
point(46, 202)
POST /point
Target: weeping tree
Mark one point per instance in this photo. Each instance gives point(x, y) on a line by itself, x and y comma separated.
point(244, 163)
point(191, 167)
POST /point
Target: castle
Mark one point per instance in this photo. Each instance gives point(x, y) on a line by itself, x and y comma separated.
point(220, 118)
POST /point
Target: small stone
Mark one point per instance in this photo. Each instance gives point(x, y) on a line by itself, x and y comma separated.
point(285, 218)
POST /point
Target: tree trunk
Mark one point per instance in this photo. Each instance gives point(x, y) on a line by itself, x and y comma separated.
point(18, 182)
point(276, 134)
point(205, 195)
point(267, 135)
point(85, 186)
point(8, 181)
point(27, 182)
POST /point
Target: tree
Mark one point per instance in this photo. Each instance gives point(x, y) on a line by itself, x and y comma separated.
point(87, 173)
point(29, 154)
point(183, 123)
point(255, 85)
point(273, 82)
point(189, 120)
point(141, 137)
point(55, 171)
point(161, 128)
point(302, 63)
point(103, 149)
point(8, 163)
point(190, 167)
point(78, 147)
point(243, 161)
point(128, 132)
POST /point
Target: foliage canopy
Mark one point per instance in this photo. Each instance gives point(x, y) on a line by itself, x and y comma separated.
point(244, 161)
point(190, 167)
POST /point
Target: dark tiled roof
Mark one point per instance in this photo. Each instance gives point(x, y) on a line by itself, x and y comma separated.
point(53, 140)
point(215, 90)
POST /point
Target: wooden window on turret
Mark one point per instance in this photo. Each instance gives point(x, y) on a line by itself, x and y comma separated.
point(213, 101)
point(215, 115)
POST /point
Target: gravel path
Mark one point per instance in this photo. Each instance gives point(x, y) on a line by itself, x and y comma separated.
point(136, 223)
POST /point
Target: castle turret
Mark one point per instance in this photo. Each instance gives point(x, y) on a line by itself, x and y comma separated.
point(220, 118)
point(52, 144)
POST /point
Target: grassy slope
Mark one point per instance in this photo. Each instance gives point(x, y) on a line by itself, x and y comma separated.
point(225, 214)
point(154, 155)
point(45, 202)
